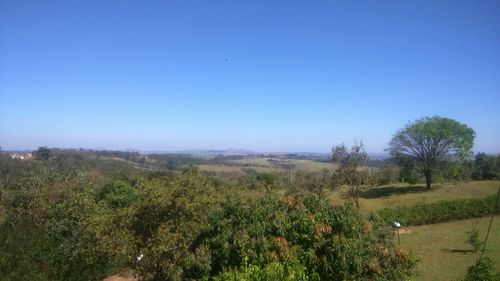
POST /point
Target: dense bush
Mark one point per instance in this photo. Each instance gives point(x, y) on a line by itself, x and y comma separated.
point(118, 194)
point(440, 211)
point(275, 271)
point(166, 224)
point(482, 270)
point(87, 237)
point(486, 167)
point(331, 243)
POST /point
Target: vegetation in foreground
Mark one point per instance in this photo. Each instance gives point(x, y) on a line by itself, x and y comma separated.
point(62, 227)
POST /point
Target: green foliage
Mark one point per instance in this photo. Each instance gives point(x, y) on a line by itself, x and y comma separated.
point(348, 172)
point(42, 153)
point(65, 167)
point(385, 175)
point(52, 227)
point(409, 176)
point(440, 211)
point(473, 239)
point(21, 234)
point(118, 194)
point(311, 182)
point(459, 171)
point(429, 141)
point(166, 223)
point(273, 271)
point(486, 167)
point(349, 163)
point(482, 271)
point(90, 238)
point(268, 181)
point(332, 243)
point(191, 168)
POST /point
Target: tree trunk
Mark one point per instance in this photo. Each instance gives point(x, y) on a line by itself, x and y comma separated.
point(428, 178)
point(356, 197)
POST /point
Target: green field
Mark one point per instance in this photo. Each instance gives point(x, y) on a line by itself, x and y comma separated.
point(442, 251)
point(397, 195)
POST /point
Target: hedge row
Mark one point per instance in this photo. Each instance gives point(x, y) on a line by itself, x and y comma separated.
point(440, 211)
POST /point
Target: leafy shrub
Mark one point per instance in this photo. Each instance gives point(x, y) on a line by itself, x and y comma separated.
point(486, 167)
point(90, 238)
point(473, 239)
point(118, 194)
point(440, 211)
point(275, 271)
point(166, 224)
point(482, 271)
point(333, 243)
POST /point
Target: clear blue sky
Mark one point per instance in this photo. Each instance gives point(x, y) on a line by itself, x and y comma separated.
point(260, 75)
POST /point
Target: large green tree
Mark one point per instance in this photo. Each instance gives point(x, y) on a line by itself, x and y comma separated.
point(42, 153)
point(429, 141)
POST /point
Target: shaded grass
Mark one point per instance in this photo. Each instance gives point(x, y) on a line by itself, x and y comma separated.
point(385, 191)
point(443, 252)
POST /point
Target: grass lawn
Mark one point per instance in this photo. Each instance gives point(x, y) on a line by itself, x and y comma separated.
point(396, 195)
point(443, 252)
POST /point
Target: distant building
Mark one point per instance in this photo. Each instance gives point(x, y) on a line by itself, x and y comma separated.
point(22, 156)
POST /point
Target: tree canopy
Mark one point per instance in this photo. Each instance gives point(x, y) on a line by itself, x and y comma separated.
point(347, 173)
point(42, 153)
point(430, 140)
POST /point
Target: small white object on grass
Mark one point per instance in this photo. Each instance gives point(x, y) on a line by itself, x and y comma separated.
point(139, 258)
point(397, 224)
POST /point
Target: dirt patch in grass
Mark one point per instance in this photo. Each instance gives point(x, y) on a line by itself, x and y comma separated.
point(403, 231)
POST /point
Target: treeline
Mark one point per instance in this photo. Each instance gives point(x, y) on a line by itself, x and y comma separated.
point(64, 167)
point(377, 172)
point(482, 167)
point(486, 167)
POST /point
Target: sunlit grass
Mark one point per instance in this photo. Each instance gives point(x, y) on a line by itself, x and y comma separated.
point(441, 248)
point(397, 195)
point(443, 252)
